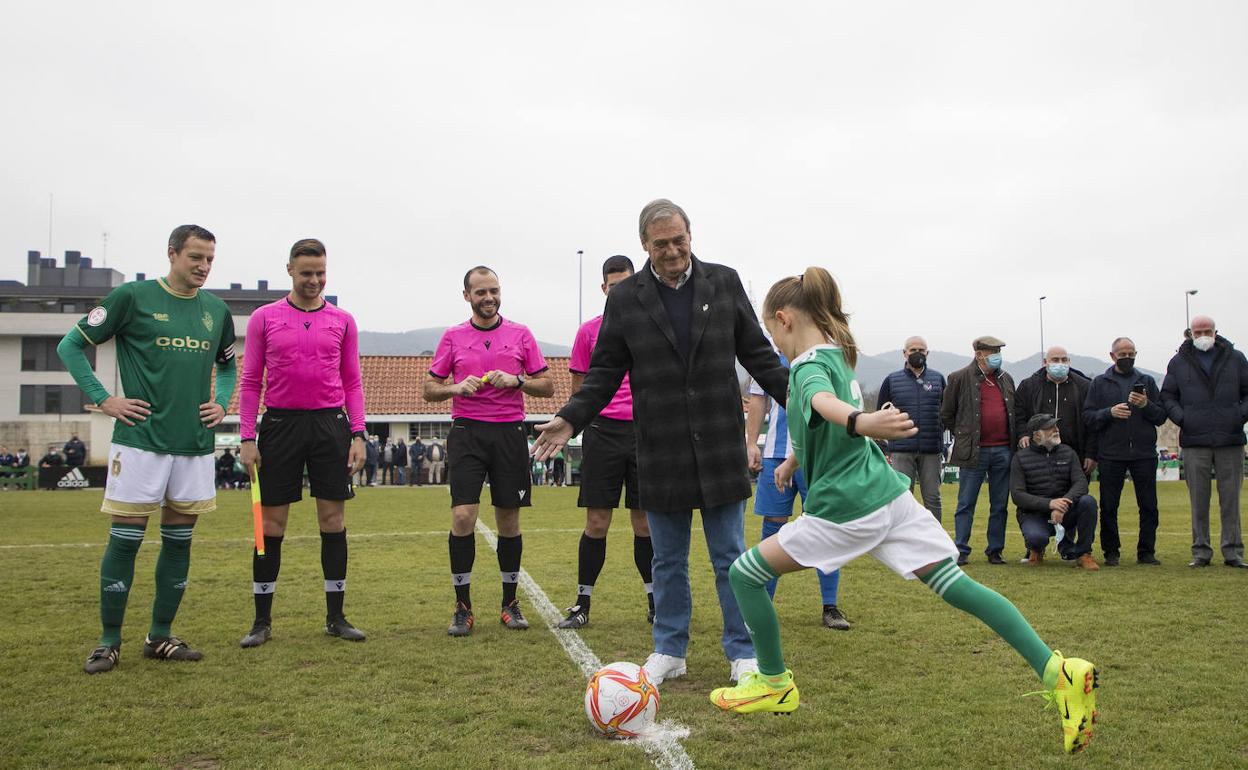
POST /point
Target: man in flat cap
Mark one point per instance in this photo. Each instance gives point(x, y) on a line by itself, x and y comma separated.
point(1049, 487)
point(978, 408)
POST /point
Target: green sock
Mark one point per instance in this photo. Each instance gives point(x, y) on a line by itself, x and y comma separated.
point(957, 588)
point(116, 578)
point(172, 567)
point(749, 576)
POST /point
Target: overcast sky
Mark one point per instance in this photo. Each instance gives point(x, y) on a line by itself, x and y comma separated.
point(948, 162)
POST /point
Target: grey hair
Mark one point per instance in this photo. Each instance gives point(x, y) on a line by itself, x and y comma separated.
point(655, 210)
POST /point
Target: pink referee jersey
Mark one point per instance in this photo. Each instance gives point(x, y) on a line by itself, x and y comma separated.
point(468, 350)
point(621, 404)
point(308, 359)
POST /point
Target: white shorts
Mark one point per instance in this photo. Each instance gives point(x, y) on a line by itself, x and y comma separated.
point(140, 482)
point(902, 535)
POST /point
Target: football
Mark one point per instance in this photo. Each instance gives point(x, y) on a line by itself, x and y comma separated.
point(620, 700)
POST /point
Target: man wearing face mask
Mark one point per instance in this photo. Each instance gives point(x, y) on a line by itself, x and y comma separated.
point(916, 390)
point(1206, 394)
point(978, 407)
point(1049, 487)
point(1059, 390)
point(1124, 409)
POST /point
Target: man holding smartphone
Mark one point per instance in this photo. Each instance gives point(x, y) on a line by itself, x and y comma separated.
point(1123, 408)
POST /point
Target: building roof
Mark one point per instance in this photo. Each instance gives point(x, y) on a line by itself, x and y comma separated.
point(393, 385)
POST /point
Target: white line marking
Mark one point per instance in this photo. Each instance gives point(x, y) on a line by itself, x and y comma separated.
point(662, 744)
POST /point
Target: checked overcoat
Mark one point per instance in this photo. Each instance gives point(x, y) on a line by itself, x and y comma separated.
point(687, 414)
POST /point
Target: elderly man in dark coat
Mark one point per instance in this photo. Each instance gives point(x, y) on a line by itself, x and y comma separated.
point(676, 327)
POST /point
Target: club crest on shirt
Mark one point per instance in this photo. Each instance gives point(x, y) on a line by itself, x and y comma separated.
point(207, 320)
point(97, 316)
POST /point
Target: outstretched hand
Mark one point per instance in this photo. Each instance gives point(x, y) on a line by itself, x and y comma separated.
point(888, 423)
point(552, 436)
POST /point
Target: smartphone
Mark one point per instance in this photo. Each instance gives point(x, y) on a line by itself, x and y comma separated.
point(1139, 388)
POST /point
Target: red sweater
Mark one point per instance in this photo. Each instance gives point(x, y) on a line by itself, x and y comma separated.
point(994, 424)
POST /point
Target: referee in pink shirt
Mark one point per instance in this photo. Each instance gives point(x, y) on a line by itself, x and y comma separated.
point(608, 468)
point(486, 365)
point(305, 351)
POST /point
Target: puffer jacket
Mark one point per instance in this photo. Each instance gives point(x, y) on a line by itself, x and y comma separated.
point(959, 412)
point(1038, 475)
point(918, 397)
point(1211, 407)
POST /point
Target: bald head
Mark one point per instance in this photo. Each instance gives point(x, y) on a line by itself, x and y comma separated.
point(1056, 355)
point(1203, 324)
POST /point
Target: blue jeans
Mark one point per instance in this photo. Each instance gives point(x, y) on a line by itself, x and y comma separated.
point(1079, 523)
point(994, 464)
point(724, 528)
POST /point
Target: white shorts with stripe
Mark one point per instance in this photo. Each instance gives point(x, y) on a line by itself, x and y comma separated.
point(141, 482)
point(902, 535)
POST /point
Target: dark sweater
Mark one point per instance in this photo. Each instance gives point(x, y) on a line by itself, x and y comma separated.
point(679, 306)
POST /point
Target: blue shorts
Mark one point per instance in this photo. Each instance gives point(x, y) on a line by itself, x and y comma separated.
point(769, 501)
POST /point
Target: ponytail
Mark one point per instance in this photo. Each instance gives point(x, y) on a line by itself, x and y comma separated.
point(816, 294)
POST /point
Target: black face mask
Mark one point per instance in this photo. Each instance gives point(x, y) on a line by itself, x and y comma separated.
point(917, 360)
point(1126, 365)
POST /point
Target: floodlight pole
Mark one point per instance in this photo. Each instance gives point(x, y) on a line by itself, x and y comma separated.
point(580, 287)
point(1042, 353)
point(1187, 308)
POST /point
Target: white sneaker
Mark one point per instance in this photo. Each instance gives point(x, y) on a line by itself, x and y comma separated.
point(741, 666)
point(660, 667)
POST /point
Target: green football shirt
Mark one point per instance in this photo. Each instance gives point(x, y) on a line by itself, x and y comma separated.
point(167, 344)
point(846, 478)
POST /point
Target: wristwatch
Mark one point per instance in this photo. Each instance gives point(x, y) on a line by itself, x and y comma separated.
point(851, 423)
point(520, 378)
point(360, 435)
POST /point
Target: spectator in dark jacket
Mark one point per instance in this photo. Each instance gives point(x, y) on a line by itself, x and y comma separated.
point(416, 456)
point(1059, 390)
point(978, 407)
point(52, 459)
point(1049, 487)
point(400, 461)
point(372, 456)
point(75, 451)
point(1206, 394)
point(1124, 409)
point(21, 459)
point(916, 390)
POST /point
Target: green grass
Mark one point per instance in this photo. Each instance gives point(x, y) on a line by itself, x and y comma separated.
point(914, 684)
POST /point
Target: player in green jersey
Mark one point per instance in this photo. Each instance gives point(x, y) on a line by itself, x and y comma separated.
point(169, 335)
point(857, 504)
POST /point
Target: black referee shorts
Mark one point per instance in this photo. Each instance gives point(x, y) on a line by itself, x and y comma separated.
point(609, 464)
point(479, 450)
point(290, 440)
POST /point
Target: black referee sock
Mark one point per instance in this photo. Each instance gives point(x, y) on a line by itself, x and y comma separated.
point(591, 554)
point(509, 550)
point(643, 557)
point(264, 571)
point(334, 567)
point(463, 554)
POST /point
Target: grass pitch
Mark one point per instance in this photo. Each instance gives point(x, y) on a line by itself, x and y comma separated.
point(914, 684)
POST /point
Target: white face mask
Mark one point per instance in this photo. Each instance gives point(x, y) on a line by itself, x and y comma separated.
point(1203, 344)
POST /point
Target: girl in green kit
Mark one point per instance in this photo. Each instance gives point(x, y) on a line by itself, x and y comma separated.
point(857, 504)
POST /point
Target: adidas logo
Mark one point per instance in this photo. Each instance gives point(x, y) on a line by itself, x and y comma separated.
point(74, 480)
point(118, 587)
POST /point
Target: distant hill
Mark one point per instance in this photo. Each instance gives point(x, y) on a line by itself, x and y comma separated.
point(423, 342)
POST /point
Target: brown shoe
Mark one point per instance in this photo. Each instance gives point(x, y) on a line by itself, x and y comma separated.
point(1035, 558)
point(1086, 561)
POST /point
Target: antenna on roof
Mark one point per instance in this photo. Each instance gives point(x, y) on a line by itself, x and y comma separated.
point(104, 249)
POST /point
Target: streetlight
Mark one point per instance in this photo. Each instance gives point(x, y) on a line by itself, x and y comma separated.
point(1187, 307)
point(1042, 299)
point(580, 286)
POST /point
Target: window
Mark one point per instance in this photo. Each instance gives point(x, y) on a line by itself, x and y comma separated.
point(53, 399)
point(39, 355)
point(428, 430)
